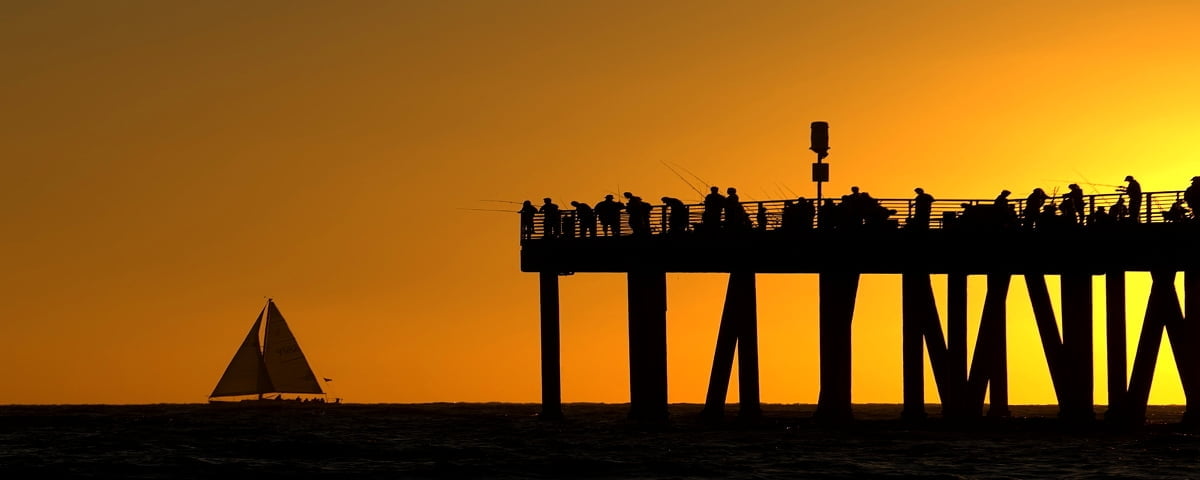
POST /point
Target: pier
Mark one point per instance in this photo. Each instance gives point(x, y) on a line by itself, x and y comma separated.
point(962, 237)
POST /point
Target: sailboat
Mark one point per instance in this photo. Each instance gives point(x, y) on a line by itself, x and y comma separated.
point(270, 372)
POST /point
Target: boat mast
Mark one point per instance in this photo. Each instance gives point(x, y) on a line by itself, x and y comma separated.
point(266, 319)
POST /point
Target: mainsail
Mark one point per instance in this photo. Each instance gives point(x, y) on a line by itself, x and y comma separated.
point(286, 365)
point(278, 367)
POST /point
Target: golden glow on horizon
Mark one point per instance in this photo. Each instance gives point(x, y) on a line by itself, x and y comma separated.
point(168, 166)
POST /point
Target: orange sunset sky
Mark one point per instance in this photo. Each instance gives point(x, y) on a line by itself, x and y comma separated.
point(169, 165)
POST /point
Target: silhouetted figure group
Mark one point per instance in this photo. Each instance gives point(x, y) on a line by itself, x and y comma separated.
point(726, 213)
point(798, 215)
point(856, 209)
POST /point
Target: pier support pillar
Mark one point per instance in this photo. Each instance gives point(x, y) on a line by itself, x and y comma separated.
point(551, 373)
point(989, 369)
point(739, 331)
point(648, 346)
point(1114, 312)
point(922, 332)
point(954, 400)
point(1077, 401)
point(748, 389)
point(916, 297)
point(1162, 309)
point(838, 291)
point(1191, 331)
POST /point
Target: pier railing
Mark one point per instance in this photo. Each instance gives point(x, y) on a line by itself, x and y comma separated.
point(769, 215)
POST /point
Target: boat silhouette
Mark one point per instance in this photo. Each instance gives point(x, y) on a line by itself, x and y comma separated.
point(269, 372)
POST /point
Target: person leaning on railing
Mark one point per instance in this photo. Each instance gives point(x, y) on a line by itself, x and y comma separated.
point(527, 211)
point(1192, 197)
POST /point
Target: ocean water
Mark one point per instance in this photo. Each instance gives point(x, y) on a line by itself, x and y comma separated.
point(593, 441)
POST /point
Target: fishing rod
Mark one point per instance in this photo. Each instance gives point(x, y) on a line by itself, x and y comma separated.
point(1085, 180)
point(1093, 185)
point(780, 190)
point(677, 174)
point(503, 201)
point(689, 172)
point(485, 209)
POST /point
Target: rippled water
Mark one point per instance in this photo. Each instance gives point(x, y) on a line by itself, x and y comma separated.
point(594, 441)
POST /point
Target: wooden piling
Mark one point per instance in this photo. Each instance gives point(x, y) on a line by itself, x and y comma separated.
point(838, 291)
point(956, 344)
point(738, 331)
point(1077, 346)
point(551, 371)
point(647, 346)
point(1114, 312)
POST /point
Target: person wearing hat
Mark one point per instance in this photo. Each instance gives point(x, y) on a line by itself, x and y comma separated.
point(609, 213)
point(1134, 190)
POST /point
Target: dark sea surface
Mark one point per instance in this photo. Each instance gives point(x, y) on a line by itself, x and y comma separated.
point(594, 441)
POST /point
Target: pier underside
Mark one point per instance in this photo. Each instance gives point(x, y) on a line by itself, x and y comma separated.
point(840, 257)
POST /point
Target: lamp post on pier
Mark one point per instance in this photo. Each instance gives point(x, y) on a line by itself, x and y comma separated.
point(820, 144)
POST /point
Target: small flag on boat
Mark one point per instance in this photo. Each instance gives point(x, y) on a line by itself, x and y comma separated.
point(327, 379)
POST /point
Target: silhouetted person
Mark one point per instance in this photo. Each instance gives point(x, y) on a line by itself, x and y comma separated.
point(1006, 212)
point(1001, 201)
point(1119, 212)
point(1033, 207)
point(922, 208)
point(735, 214)
point(789, 217)
point(827, 215)
point(609, 213)
point(551, 219)
point(714, 204)
point(871, 211)
point(639, 214)
point(1177, 213)
point(1192, 197)
point(851, 212)
point(807, 212)
point(761, 217)
point(527, 211)
point(585, 216)
point(1066, 210)
point(1100, 218)
point(1134, 190)
point(677, 215)
point(1076, 195)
